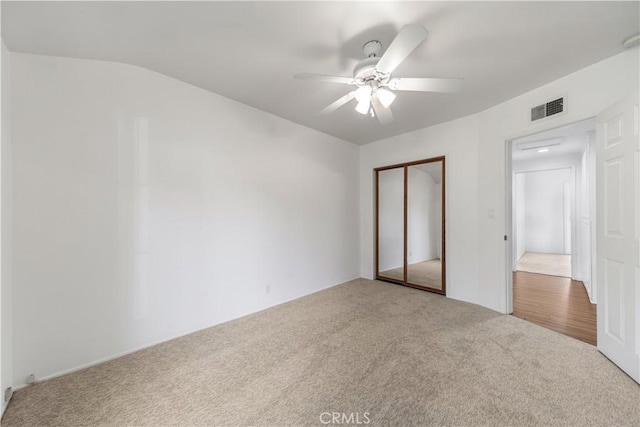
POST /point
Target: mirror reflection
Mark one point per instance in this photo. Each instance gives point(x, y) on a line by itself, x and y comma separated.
point(391, 223)
point(424, 225)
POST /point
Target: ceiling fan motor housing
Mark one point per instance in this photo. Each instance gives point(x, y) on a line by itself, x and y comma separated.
point(372, 48)
point(365, 69)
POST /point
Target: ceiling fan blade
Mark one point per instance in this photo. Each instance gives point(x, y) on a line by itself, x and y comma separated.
point(426, 84)
point(384, 115)
point(324, 78)
point(409, 37)
point(337, 104)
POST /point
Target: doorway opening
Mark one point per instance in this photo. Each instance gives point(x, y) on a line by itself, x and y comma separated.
point(552, 213)
point(543, 211)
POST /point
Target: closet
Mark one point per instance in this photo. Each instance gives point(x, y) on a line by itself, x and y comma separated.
point(410, 224)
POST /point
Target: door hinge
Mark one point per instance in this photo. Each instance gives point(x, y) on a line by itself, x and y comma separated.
point(505, 237)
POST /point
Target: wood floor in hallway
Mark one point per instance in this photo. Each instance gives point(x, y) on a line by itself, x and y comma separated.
point(556, 303)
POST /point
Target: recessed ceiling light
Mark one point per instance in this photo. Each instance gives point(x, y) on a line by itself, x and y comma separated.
point(543, 150)
point(632, 41)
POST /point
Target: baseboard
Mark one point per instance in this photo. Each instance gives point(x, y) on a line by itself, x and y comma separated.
point(4, 406)
point(145, 346)
point(586, 285)
point(588, 289)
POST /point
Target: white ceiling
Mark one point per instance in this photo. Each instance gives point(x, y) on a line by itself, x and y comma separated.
point(571, 139)
point(248, 51)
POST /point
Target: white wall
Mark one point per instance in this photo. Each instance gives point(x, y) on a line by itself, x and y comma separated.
point(145, 208)
point(476, 179)
point(457, 140)
point(6, 326)
point(544, 210)
point(588, 92)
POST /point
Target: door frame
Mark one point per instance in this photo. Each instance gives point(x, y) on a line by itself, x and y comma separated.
point(508, 232)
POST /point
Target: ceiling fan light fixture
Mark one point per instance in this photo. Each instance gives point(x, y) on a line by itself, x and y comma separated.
point(386, 97)
point(363, 94)
point(372, 76)
point(363, 107)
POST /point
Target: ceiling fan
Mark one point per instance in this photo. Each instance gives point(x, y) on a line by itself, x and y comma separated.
point(372, 76)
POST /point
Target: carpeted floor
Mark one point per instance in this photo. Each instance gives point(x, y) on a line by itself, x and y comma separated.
point(396, 355)
point(426, 273)
point(550, 264)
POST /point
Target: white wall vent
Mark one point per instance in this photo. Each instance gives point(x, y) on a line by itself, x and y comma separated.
point(547, 109)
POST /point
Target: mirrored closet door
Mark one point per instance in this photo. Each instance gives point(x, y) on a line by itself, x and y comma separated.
point(410, 248)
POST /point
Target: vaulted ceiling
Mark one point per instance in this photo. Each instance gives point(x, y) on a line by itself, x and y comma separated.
point(248, 51)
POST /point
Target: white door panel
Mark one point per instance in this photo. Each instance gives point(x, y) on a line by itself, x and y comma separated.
point(618, 228)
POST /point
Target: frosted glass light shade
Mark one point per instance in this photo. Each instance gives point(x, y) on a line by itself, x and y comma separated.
point(385, 96)
point(363, 94)
point(363, 107)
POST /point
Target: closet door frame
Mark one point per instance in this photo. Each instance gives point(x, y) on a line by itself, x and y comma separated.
point(405, 281)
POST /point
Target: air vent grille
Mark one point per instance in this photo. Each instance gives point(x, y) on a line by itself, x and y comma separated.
point(555, 107)
point(537, 113)
point(547, 109)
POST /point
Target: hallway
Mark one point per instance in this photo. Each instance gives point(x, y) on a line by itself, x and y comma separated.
point(556, 303)
point(541, 263)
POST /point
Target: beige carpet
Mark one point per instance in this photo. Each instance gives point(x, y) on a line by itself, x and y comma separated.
point(425, 273)
point(404, 356)
point(551, 264)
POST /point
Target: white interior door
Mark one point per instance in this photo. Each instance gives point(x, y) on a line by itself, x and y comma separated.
point(617, 229)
